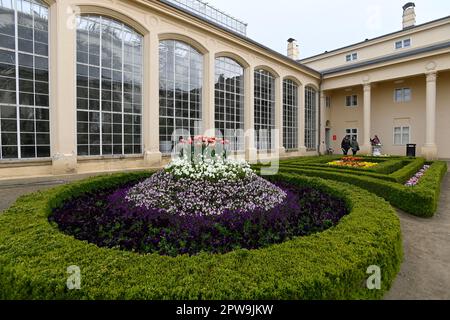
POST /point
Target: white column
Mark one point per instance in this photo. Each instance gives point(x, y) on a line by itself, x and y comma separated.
point(152, 154)
point(63, 101)
point(429, 150)
point(251, 153)
point(366, 147)
point(301, 120)
point(323, 120)
point(279, 147)
point(208, 95)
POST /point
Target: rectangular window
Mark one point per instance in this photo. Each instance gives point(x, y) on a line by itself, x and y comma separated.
point(402, 95)
point(290, 115)
point(24, 81)
point(407, 94)
point(352, 133)
point(406, 43)
point(351, 57)
point(401, 135)
point(310, 118)
point(351, 101)
point(264, 110)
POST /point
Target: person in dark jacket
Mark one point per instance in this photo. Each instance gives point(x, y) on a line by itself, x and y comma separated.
point(346, 145)
point(355, 146)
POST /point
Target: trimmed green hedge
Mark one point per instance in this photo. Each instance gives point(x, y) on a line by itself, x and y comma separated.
point(421, 200)
point(405, 173)
point(350, 171)
point(34, 256)
point(402, 170)
point(391, 166)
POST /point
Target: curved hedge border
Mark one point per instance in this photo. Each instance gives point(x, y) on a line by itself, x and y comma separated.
point(421, 200)
point(34, 256)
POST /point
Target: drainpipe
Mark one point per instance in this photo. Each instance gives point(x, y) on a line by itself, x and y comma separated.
point(320, 115)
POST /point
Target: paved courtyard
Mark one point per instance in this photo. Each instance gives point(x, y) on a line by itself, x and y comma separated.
point(425, 273)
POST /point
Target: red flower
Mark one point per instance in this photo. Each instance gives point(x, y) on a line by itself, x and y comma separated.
point(198, 138)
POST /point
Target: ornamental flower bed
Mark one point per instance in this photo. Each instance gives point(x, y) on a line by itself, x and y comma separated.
point(201, 202)
point(416, 178)
point(353, 162)
point(109, 220)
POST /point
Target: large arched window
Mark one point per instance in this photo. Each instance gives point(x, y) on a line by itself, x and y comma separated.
point(24, 81)
point(264, 109)
point(310, 118)
point(109, 87)
point(290, 115)
point(229, 101)
point(180, 92)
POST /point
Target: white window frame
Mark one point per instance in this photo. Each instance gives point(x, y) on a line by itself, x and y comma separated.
point(351, 134)
point(351, 57)
point(352, 100)
point(402, 128)
point(403, 97)
point(402, 44)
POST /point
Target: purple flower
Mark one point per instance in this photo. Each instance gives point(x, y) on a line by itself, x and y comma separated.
point(416, 178)
point(106, 218)
point(202, 197)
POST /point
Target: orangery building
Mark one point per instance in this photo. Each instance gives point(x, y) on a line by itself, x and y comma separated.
point(108, 85)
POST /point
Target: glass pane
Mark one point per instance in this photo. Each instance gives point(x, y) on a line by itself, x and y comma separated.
point(398, 95)
point(407, 94)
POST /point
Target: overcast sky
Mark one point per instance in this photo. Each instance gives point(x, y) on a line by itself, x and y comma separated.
point(320, 25)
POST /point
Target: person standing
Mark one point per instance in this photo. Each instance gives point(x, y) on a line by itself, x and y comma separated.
point(345, 145)
point(375, 141)
point(355, 146)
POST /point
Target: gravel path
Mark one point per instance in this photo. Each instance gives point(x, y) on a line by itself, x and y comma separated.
point(425, 273)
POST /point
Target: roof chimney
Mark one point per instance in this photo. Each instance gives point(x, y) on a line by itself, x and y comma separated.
point(409, 15)
point(293, 52)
